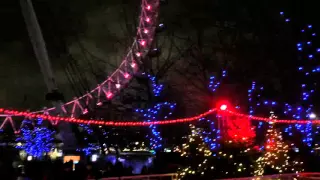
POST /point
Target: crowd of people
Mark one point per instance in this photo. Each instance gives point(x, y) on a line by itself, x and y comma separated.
point(82, 170)
point(56, 170)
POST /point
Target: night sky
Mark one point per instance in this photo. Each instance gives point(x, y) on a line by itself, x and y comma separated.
point(248, 38)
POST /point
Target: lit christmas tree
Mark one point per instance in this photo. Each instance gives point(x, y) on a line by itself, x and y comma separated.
point(276, 153)
point(35, 139)
point(198, 158)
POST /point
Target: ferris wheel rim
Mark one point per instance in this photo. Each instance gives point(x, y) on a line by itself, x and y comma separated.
point(139, 40)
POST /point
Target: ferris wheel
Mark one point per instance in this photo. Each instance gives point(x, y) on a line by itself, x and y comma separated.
point(140, 48)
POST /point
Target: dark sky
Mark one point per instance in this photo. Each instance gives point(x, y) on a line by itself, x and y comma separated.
point(101, 27)
point(65, 24)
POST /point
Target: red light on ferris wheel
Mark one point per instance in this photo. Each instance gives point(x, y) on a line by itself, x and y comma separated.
point(223, 107)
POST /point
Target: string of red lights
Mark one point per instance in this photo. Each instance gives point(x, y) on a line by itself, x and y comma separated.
point(282, 121)
point(223, 111)
point(102, 122)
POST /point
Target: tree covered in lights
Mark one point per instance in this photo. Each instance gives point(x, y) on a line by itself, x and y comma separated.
point(210, 139)
point(275, 155)
point(157, 111)
point(88, 145)
point(205, 156)
point(303, 108)
point(211, 135)
point(35, 139)
point(307, 70)
point(196, 152)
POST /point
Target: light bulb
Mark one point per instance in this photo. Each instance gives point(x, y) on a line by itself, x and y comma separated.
point(126, 75)
point(109, 95)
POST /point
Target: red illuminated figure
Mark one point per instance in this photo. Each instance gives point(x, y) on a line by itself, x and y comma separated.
point(239, 130)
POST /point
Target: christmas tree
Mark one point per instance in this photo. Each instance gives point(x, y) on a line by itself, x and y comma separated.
point(276, 153)
point(197, 152)
point(35, 139)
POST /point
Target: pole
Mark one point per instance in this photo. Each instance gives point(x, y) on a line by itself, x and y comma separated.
point(38, 43)
point(40, 50)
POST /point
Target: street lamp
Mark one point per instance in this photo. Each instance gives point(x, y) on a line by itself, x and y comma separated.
point(223, 107)
point(312, 116)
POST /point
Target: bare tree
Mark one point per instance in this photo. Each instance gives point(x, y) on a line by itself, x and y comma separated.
point(218, 36)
